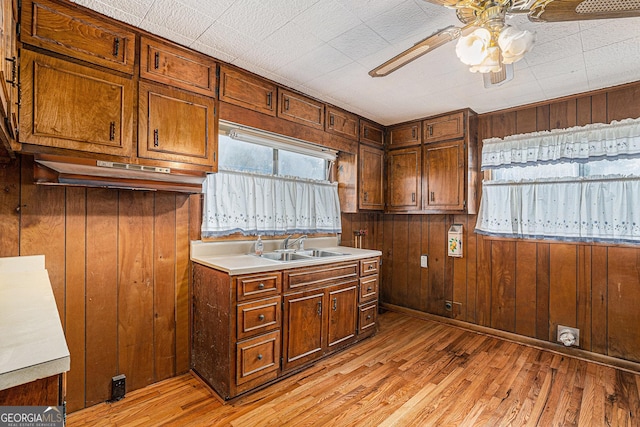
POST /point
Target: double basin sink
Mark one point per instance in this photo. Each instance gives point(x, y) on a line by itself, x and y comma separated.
point(287, 255)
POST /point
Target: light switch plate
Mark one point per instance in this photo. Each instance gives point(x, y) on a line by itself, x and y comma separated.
point(423, 261)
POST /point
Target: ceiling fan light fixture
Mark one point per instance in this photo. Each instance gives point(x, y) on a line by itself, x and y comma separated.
point(473, 48)
point(491, 63)
point(514, 43)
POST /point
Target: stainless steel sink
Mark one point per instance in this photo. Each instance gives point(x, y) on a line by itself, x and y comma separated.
point(320, 253)
point(287, 255)
point(284, 256)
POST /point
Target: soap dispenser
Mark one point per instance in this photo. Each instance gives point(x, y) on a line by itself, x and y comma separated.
point(259, 246)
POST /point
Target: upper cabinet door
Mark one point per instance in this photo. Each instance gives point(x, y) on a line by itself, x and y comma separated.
point(175, 125)
point(404, 135)
point(70, 32)
point(371, 133)
point(444, 176)
point(342, 123)
point(247, 91)
point(175, 66)
point(300, 109)
point(67, 105)
point(443, 128)
point(371, 188)
point(404, 186)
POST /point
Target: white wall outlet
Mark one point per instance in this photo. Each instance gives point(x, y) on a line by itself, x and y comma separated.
point(568, 336)
point(423, 261)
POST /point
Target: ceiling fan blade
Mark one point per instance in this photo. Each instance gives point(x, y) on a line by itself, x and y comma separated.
point(417, 50)
point(447, 3)
point(581, 10)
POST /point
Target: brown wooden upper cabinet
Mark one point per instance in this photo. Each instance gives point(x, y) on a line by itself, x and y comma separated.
point(8, 78)
point(57, 27)
point(67, 105)
point(247, 90)
point(341, 123)
point(444, 174)
point(371, 133)
point(300, 109)
point(405, 135)
point(370, 178)
point(442, 128)
point(170, 64)
point(176, 125)
point(404, 179)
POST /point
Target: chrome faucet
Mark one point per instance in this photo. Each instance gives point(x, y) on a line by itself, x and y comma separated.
point(300, 241)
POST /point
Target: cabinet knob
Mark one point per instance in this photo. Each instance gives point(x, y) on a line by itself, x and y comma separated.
point(261, 317)
point(261, 285)
point(371, 267)
point(368, 317)
point(260, 357)
point(369, 289)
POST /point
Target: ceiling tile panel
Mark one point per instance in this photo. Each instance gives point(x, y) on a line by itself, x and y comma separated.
point(327, 20)
point(359, 42)
point(178, 18)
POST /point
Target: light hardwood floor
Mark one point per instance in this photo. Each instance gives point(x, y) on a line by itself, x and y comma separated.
point(412, 373)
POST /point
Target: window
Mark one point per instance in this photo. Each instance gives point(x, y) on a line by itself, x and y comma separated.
point(271, 185)
point(578, 184)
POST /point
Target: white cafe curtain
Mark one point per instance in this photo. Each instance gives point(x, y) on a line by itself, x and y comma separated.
point(251, 204)
point(588, 209)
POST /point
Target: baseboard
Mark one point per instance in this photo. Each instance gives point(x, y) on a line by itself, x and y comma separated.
point(577, 353)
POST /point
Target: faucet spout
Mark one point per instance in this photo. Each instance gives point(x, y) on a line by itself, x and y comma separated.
point(299, 241)
point(285, 244)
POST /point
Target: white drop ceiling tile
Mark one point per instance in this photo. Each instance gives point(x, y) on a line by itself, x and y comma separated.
point(401, 22)
point(252, 19)
point(162, 31)
point(226, 39)
point(130, 13)
point(289, 9)
point(267, 57)
point(367, 9)
point(213, 9)
point(555, 86)
point(359, 42)
point(554, 50)
point(178, 18)
point(611, 32)
point(327, 20)
point(293, 39)
point(212, 51)
point(562, 67)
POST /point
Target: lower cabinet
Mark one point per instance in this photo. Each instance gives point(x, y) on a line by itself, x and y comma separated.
point(250, 330)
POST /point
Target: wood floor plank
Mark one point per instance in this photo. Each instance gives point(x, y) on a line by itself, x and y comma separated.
point(412, 373)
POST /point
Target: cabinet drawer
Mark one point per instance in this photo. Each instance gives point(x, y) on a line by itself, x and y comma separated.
point(320, 276)
point(342, 123)
point(369, 266)
point(444, 127)
point(166, 63)
point(259, 316)
point(367, 318)
point(368, 288)
point(81, 35)
point(300, 109)
point(247, 91)
point(257, 357)
point(258, 286)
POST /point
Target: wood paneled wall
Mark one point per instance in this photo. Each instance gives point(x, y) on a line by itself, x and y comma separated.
point(118, 261)
point(521, 286)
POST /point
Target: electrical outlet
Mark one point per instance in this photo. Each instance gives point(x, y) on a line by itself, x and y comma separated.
point(118, 387)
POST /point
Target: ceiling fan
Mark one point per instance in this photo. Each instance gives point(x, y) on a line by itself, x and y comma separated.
point(490, 46)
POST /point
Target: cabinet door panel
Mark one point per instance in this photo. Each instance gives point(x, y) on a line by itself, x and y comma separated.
point(304, 329)
point(342, 313)
point(404, 179)
point(300, 109)
point(176, 125)
point(371, 175)
point(67, 105)
point(444, 127)
point(444, 173)
point(179, 67)
point(407, 134)
point(371, 133)
point(342, 123)
point(71, 32)
point(247, 91)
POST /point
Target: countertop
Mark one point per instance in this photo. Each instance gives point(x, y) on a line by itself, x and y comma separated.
point(32, 343)
point(234, 257)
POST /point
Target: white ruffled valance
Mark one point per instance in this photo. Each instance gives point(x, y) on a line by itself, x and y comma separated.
point(254, 204)
point(577, 144)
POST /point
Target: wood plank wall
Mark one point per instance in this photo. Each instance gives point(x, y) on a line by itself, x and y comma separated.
point(118, 261)
point(520, 286)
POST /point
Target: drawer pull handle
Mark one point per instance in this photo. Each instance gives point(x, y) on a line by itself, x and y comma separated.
point(116, 46)
point(261, 317)
point(286, 104)
point(156, 62)
point(335, 304)
point(413, 133)
point(269, 99)
point(112, 131)
point(320, 308)
point(259, 357)
point(366, 132)
point(261, 286)
point(156, 140)
point(14, 70)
